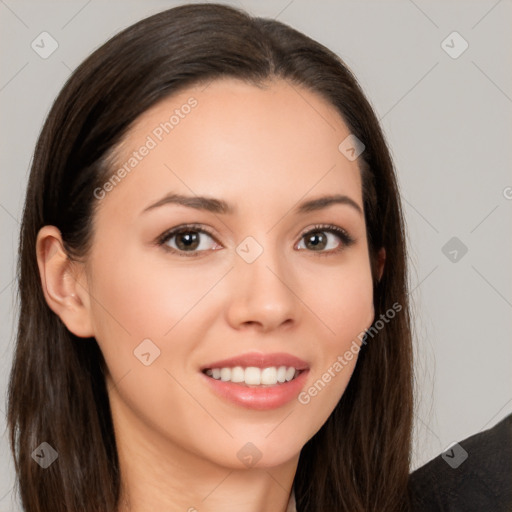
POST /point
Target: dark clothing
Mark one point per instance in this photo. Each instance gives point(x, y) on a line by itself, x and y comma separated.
point(474, 475)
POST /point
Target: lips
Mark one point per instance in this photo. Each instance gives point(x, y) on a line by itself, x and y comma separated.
point(269, 395)
point(258, 398)
point(259, 360)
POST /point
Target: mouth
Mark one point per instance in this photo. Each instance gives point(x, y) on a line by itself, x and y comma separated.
point(253, 376)
point(257, 381)
point(257, 388)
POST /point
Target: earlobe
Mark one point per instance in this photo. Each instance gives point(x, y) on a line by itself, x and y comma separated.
point(63, 284)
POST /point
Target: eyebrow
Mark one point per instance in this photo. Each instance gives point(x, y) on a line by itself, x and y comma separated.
point(222, 207)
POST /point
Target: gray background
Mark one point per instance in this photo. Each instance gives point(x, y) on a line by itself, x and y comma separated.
point(447, 121)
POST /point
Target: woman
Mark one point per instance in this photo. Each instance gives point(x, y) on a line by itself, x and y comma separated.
point(212, 268)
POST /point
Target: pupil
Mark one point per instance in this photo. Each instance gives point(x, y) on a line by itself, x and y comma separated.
point(317, 240)
point(187, 240)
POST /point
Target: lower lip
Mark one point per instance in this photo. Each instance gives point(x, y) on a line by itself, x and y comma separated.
point(259, 397)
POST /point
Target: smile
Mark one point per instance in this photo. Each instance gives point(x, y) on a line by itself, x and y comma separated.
point(253, 376)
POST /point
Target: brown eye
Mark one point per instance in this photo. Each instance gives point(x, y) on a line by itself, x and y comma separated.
point(323, 239)
point(189, 240)
point(316, 240)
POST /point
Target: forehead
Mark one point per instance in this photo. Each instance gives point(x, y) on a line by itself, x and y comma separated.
point(236, 141)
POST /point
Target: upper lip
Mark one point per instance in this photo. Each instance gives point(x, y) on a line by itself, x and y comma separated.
point(259, 360)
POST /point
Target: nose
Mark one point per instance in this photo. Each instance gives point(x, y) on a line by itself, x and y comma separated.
point(262, 292)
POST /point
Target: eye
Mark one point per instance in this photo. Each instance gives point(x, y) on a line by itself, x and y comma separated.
point(318, 239)
point(189, 239)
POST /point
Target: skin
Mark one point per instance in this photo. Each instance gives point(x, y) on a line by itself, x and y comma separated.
point(263, 150)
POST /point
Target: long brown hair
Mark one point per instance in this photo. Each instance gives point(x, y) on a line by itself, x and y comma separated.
point(359, 459)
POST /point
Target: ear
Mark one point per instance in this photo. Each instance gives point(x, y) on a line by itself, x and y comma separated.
point(64, 283)
point(381, 260)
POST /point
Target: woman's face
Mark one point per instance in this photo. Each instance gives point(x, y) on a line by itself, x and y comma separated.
point(253, 275)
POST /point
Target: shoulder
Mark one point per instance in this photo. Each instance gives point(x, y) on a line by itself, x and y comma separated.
point(473, 475)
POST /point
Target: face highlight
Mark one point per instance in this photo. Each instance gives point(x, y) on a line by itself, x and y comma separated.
point(240, 229)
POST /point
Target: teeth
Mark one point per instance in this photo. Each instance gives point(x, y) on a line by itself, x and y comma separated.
point(281, 374)
point(269, 375)
point(225, 374)
point(253, 376)
point(290, 373)
point(237, 374)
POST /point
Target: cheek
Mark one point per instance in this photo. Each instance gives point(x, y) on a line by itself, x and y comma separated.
point(133, 299)
point(140, 295)
point(143, 296)
point(342, 299)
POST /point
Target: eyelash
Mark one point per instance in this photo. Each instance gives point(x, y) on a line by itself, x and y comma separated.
point(162, 240)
